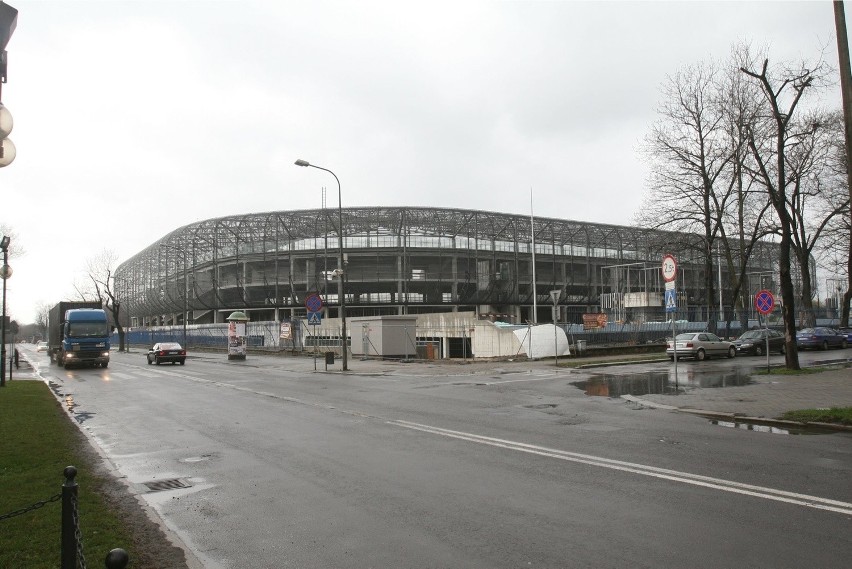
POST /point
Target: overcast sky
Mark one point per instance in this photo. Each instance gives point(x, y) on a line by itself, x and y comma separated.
point(133, 119)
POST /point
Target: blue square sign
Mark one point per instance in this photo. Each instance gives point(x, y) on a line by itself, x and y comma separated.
point(671, 300)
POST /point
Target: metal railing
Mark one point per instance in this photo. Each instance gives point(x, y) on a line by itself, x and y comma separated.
point(71, 550)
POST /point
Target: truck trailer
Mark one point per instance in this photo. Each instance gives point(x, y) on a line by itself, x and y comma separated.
point(78, 333)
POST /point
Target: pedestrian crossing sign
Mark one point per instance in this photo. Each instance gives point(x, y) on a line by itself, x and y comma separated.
point(314, 318)
point(671, 300)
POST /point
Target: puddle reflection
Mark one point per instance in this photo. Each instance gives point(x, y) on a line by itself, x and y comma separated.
point(660, 382)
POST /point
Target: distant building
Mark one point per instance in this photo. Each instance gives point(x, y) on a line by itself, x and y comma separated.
point(418, 260)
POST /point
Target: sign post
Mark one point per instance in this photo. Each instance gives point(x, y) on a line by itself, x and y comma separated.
point(313, 304)
point(669, 270)
point(764, 301)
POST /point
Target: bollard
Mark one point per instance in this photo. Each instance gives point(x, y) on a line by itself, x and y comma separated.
point(117, 559)
point(68, 553)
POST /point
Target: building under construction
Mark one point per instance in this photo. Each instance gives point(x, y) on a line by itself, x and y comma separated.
point(418, 260)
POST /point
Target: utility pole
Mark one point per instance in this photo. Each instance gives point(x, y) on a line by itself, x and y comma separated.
point(846, 89)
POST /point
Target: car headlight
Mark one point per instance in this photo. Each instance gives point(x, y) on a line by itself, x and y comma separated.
point(105, 354)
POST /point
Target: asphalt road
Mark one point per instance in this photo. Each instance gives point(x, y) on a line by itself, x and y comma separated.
point(308, 469)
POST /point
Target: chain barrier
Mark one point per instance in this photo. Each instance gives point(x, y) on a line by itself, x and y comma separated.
point(78, 535)
point(35, 506)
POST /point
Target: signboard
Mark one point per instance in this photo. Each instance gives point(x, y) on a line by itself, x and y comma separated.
point(314, 318)
point(764, 302)
point(669, 268)
point(286, 331)
point(594, 320)
point(671, 300)
point(313, 302)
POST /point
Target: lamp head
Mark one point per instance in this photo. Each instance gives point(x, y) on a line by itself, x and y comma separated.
point(301, 162)
point(4, 243)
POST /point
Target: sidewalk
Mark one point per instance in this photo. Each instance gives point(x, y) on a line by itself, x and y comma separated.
point(767, 398)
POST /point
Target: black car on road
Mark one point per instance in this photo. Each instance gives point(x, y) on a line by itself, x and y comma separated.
point(753, 342)
point(165, 352)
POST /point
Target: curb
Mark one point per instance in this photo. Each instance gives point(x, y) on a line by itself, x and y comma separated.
point(736, 418)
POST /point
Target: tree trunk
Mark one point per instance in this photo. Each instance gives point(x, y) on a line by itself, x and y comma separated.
point(791, 353)
point(808, 318)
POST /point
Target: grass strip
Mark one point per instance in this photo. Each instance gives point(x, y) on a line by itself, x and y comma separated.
point(838, 415)
point(37, 442)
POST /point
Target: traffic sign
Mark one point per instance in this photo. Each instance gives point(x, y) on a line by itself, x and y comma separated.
point(313, 302)
point(669, 268)
point(314, 318)
point(671, 300)
point(764, 302)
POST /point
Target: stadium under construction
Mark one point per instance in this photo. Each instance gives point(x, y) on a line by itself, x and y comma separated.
point(413, 261)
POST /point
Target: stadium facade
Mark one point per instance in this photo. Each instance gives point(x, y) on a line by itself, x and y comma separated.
point(417, 260)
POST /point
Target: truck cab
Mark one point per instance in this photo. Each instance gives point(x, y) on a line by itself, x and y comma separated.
point(85, 338)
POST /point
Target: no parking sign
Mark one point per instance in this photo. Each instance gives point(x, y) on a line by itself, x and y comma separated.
point(764, 302)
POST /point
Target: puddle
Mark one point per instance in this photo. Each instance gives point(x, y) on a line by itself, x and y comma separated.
point(744, 426)
point(660, 382)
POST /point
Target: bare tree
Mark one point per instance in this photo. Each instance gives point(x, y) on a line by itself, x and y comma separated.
point(817, 196)
point(746, 220)
point(769, 141)
point(101, 285)
point(689, 151)
point(42, 320)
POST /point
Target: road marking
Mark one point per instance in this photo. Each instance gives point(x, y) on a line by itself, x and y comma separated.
point(663, 473)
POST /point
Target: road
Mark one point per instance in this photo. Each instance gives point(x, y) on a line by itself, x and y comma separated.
point(296, 468)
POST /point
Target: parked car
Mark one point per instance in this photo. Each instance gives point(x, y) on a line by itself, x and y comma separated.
point(753, 342)
point(41, 346)
point(166, 352)
point(700, 345)
point(820, 338)
point(846, 332)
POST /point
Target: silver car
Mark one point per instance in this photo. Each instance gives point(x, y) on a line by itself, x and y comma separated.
point(700, 345)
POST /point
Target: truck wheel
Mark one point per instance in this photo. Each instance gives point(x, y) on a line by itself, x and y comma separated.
point(105, 364)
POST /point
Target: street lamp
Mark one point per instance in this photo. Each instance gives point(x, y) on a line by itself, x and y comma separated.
point(339, 270)
point(5, 273)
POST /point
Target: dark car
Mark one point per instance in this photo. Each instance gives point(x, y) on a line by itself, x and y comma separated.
point(846, 332)
point(166, 352)
point(754, 342)
point(820, 338)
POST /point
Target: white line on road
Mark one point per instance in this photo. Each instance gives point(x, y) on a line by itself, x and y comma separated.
point(674, 475)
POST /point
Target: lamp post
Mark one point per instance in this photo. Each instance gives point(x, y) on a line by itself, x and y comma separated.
point(339, 271)
point(5, 273)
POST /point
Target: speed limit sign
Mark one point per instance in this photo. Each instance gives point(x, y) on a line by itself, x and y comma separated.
point(669, 268)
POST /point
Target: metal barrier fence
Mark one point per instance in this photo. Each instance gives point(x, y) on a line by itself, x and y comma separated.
point(71, 541)
point(425, 340)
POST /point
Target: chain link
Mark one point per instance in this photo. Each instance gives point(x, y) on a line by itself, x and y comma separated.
point(35, 506)
point(78, 535)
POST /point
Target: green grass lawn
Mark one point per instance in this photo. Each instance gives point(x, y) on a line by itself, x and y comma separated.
point(37, 442)
point(839, 415)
